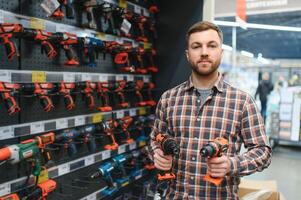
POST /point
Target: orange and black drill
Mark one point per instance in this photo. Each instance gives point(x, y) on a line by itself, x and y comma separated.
point(124, 124)
point(7, 31)
point(6, 91)
point(214, 148)
point(169, 146)
point(43, 38)
point(40, 90)
point(119, 91)
point(42, 190)
point(87, 89)
point(103, 89)
point(65, 89)
point(66, 41)
point(108, 128)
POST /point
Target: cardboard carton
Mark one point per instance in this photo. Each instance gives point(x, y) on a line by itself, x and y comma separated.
point(247, 186)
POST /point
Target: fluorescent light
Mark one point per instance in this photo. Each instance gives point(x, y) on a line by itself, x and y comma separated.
point(259, 26)
point(246, 53)
point(227, 47)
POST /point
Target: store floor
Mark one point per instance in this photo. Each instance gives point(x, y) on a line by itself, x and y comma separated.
point(285, 169)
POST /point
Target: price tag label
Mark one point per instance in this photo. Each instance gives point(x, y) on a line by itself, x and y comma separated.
point(125, 26)
point(96, 118)
point(122, 4)
point(103, 78)
point(146, 13)
point(133, 112)
point(133, 145)
point(130, 78)
point(119, 77)
point(69, 77)
point(91, 197)
point(137, 9)
point(62, 123)
point(147, 45)
point(142, 143)
point(120, 114)
point(89, 160)
point(86, 77)
point(36, 128)
point(121, 149)
point(63, 169)
point(43, 176)
point(4, 189)
point(6, 132)
point(1, 17)
point(49, 6)
point(146, 79)
point(38, 76)
point(101, 36)
point(142, 111)
point(36, 23)
point(106, 154)
point(5, 76)
point(79, 121)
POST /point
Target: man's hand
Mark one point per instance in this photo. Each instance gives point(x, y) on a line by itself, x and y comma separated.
point(162, 162)
point(218, 167)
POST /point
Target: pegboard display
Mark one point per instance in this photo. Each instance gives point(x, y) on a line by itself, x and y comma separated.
point(76, 98)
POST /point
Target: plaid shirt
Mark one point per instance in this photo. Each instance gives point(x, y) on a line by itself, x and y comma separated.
point(227, 112)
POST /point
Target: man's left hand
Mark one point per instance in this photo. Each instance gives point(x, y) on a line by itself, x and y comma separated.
point(218, 166)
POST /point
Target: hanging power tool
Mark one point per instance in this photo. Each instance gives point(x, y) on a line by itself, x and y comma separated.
point(213, 149)
point(65, 90)
point(6, 94)
point(29, 150)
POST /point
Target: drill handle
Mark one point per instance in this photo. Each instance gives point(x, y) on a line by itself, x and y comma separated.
point(49, 49)
point(10, 48)
point(46, 103)
point(89, 100)
point(69, 52)
point(69, 102)
point(10, 104)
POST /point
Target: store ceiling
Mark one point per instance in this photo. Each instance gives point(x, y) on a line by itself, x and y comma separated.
point(272, 44)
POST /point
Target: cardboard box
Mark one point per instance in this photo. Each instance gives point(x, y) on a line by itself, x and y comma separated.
point(246, 186)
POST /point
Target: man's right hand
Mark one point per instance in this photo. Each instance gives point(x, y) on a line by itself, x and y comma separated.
point(162, 162)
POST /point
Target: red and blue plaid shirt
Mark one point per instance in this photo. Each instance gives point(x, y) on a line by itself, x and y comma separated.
point(227, 112)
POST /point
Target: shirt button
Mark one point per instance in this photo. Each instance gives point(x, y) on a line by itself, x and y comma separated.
point(199, 101)
point(191, 197)
point(196, 138)
point(193, 158)
point(192, 177)
point(198, 119)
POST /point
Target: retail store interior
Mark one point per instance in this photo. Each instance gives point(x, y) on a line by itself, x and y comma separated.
point(80, 81)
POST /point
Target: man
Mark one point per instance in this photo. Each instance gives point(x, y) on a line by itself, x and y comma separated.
point(200, 110)
point(263, 90)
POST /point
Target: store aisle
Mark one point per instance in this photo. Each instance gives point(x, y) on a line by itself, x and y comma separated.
point(285, 169)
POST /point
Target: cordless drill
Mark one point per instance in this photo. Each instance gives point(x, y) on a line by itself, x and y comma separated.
point(7, 31)
point(104, 170)
point(66, 139)
point(124, 124)
point(213, 149)
point(6, 91)
point(28, 150)
point(87, 89)
point(108, 128)
point(65, 89)
point(10, 197)
point(119, 162)
point(87, 137)
point(169, 146)
point(103, 89)
point(41, 191)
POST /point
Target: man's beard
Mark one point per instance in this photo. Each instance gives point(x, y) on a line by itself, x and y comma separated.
point(212, 68)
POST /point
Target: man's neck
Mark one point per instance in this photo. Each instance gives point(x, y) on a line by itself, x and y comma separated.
point(204, 82)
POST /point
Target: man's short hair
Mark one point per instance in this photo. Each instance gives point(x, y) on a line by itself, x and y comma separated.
point(203, 26)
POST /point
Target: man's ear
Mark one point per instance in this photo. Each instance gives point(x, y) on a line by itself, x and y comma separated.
point(186, 53)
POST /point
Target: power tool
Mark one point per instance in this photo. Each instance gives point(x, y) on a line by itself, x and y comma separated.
point(65, 89)
point(41, 191)
point(103, 89)
point(87, 137)
point(104, 170)
point(87, 89)
point(108, 128)
point(10, 197)
point(213, 149)
point(66, 138)
point(28, 150)
point(169, 146)
point(118, 162)
point(6, 92)
point(123, 124)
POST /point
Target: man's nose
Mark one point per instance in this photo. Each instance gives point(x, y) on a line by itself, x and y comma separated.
point(204, 52)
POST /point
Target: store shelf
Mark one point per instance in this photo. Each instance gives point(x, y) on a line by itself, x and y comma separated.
point(63, 169)
point(12, 131)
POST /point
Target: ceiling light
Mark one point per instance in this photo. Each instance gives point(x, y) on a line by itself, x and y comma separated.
point(248, 54)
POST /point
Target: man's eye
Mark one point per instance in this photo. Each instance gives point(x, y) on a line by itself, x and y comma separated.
point(212, 46)
point(195, 46)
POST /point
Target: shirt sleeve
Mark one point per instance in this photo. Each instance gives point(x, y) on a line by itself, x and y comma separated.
point(160, 123)
point(258, 154)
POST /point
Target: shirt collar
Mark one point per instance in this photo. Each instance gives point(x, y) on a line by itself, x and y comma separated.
point(219, 84)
